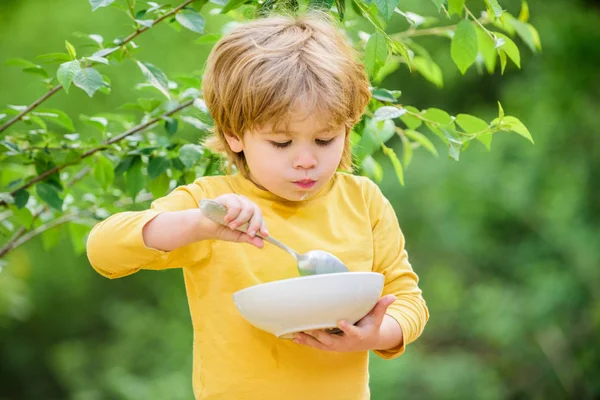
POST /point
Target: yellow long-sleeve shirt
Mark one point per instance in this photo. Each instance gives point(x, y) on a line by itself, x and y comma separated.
point(350, 218)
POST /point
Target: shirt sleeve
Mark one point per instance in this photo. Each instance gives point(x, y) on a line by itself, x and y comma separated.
point(116, 248)
point(391, 259)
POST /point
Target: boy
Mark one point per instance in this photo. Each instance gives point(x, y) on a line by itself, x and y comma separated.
point(284, 93)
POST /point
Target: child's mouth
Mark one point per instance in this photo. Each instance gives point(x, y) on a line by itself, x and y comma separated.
point(305, 183)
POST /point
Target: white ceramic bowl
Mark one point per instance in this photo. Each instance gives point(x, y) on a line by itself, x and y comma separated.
point(309, 302)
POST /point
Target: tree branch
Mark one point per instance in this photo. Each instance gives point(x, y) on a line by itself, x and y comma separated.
point(18, 238)
point(104, 146)
point(55, 89)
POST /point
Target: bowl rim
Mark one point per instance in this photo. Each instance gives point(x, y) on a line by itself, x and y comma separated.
point(306, 278)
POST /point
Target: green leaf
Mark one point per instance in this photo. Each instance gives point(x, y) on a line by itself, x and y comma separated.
point(422, 140)
point(21, 197)
point(513, 124)
point(407, 151)
point(53, 58)
point(502, 55)
point(159, 186)
point(96, 4)
point(232, 5)
point(20, 62)
point(500, 111)
point(510, 48)
point(373, 136)
point(454, 147)
point(429, 69)
point(208, 39)
point(528, 34)
point(372, 168)
point(71, 50)
point(486, 140)
point(456, 7)
point(495, 7)
point(370, 12)
point(395, 162)
point(386, 95)
point(22, 216)
point(157, 166)
point(67, 72)
point(438, 4)
point(156, 77)
point(471, 124)
point(386, 7)
point(135, 179)
point(388, 112)
point(376, 53)
point(37, 71)
point(191, 19)
point(438, 116)
point(409, 120)
point(49, 194)
point(78, 234)
point(524, 13)
point(487, 49)
point(464, 45)
point(400, 49)
point(190, 154)
point(89, 80)
point(56, 116)
point(103, 172)
point(171, 126)
point(124, 165)
point(97, 59)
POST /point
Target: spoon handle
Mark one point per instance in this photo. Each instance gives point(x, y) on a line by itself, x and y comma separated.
point(216, 212)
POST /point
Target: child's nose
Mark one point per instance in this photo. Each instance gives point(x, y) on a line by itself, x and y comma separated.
point(305, 159)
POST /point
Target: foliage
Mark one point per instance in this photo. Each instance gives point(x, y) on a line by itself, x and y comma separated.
point(53, 170)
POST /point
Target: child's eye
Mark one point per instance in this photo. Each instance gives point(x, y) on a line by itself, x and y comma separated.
point(281, 145)
point(322, 142)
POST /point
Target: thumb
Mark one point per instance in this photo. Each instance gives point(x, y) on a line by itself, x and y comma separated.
point(381, 307)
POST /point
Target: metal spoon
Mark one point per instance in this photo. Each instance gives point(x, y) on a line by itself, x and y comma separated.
point(314, 262)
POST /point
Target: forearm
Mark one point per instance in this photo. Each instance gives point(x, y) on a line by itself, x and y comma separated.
point(390, 334)
point(171, 230)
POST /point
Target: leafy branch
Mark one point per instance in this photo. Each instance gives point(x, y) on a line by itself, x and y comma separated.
point(21, 236)
point(104, 146)
point(103, 54)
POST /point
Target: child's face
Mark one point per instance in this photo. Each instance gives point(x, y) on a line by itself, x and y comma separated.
point(293, 161)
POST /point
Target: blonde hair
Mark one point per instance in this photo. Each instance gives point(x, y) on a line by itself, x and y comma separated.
point(258, 73)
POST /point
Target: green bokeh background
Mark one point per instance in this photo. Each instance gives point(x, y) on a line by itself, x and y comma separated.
point(506, 243)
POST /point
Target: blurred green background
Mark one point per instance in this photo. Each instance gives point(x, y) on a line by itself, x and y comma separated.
point(506, 243)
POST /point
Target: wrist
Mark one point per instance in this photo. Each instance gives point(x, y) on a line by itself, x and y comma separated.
point(390, 334)
point(202, 227)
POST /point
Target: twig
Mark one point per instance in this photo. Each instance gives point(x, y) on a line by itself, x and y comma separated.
point(19, 238)
point(104, 146)
point(437, 31)
point(55, 89)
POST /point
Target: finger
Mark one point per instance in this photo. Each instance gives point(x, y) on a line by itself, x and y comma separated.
point(255, 222)
point(307, 340)
point(263, 229)
point(323, 337)
point(255, 241)
point(246, 212)
point(378, 312)
point(233, 206)
point(349, 330)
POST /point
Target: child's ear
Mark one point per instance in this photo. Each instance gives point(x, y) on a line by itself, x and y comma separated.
point(235, 143)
